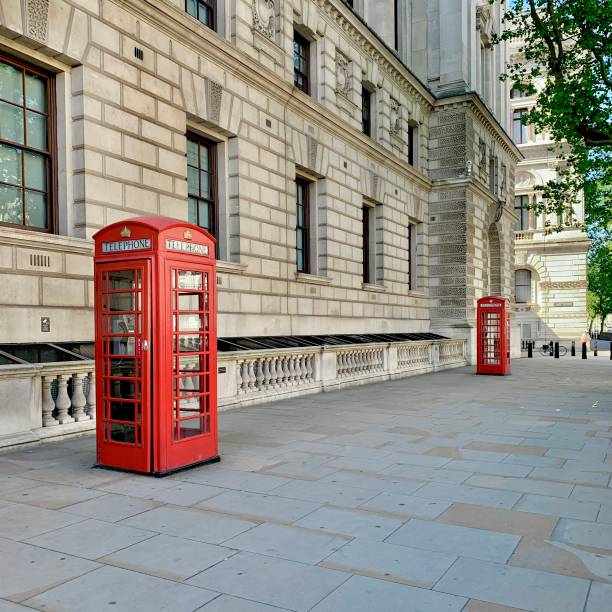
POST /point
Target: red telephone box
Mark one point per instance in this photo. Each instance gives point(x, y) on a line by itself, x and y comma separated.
point(493, 336)
point(156, 345)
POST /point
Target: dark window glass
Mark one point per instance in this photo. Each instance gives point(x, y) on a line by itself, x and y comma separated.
point(519, 130)
point(301, 62)
point(521, 207)
point(202, 182)
point(302, 230)
point(366, 111)
point(396, 28)
point(366, 244)
point(26, 163)
point(411, 245)
point(203, 11)
point(411, 144)
point(522, 281)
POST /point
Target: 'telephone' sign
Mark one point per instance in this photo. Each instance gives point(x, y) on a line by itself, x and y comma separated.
point(140, 244)
point(187, 247)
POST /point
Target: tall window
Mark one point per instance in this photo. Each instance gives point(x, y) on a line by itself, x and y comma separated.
point(521, 208)
point(522, 285)
point(519, 130)
point(26, 162)
point(301, 62)
point(302, 225)
point(202, 182)
point(396, 25)
point(366, 111)
point(367, 277)
point(411, 232)
point(203, 10)
point(411, 144)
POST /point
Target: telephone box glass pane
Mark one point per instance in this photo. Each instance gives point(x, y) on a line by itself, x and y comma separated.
point(122, 280)
point(122, 389)
point(119, 432)
point(189, 280)
point(123, 367)
point(123, 302)
point(122, 411)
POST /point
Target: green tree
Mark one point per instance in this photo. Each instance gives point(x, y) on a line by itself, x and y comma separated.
point(600, 282)
point(565, 57)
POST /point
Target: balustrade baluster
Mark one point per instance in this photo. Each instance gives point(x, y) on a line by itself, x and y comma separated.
point(266, 372)
point(78, 398)
point(251, 375)
point(274, 373)
point(48, 405)
point(90, 408)
point(63, 400)
point(259, 375)
point(243, 377)
point(309, 368)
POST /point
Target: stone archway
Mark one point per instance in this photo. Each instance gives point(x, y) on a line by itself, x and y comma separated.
point(494, 260)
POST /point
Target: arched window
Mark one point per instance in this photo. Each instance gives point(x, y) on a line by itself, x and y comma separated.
point(522, 285)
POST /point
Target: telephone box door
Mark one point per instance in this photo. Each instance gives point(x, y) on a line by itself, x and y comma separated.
point(123, 364)
point(493, 336)
point(191, 417)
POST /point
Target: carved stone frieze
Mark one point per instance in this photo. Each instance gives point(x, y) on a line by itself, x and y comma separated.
point(37, 19)
point(343, 75)
point(215, 93)
point(263, 12)
point(395, 116)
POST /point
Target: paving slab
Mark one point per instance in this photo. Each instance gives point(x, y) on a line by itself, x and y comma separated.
point(91, 538)
point(111, 589)
point(28, 570)
point(487, 467)
point(600, 597)
point(456, 540)
point(19, 522)
point(499, 520)
point(514, 586)
point(594, 494)
point(192, 524)
point(406, 505)
point(259, 506)
point(469, 495)
point(169, 557)
point(233, 479)
point(186, 494)
point(353, 523)
point(52, 497)
point(9, 606)
point(523, 485)
point(292, 543)
point(555, 506)
point(227, 603)
point(276, 582)
point(378, 484)
point(388, 561)
point(419, 472)
point(325, 493)
point(584, 533)
point(111, 507)
point(362, 594)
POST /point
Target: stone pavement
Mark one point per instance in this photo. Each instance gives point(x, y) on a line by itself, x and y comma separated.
point(437, 493)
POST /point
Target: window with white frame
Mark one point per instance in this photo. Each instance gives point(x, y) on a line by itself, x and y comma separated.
point(522, 286)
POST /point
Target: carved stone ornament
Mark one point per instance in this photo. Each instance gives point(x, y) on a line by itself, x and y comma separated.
point(263, 16)
point(215, 94)
point(482, 161)
point(343, 75)
point(396, 118)
point(37, 19)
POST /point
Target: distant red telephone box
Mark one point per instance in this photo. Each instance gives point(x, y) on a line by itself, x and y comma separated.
point(156, 345)
point(493, 336)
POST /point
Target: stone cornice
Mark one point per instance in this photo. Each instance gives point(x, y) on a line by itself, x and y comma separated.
point(472, 101)
point(376, 49)
point(177, 24)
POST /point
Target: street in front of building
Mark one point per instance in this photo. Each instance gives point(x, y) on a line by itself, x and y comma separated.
point(443, 492)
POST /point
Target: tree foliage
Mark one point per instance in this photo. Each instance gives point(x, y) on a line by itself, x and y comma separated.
point(600, 281)
point(565, 58)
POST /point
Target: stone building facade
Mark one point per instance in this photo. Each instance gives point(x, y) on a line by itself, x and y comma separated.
point(550, 253)
point(356, 180)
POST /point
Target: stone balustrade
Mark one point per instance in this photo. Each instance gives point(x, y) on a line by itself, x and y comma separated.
point(43, 401)
point(524, 235)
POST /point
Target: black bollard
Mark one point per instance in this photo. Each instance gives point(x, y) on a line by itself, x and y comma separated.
point(610, 350)
point(556, 350)
point(584, 354)
point(595, 349)
point(551, 349)
point(573, 348)
point(530, 350)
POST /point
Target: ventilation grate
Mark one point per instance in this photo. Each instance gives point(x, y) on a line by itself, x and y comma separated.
point(40, 261)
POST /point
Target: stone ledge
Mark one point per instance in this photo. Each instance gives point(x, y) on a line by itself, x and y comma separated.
point(312, 279)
